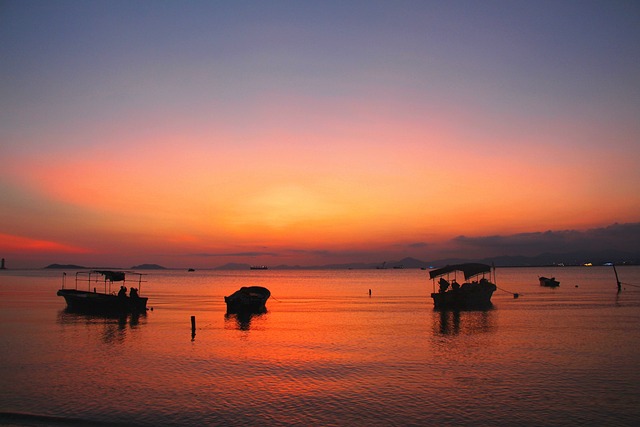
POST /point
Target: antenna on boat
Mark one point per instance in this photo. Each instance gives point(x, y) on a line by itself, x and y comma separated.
point(493, 268)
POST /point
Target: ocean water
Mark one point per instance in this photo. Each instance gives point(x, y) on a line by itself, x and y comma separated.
point(326, 353)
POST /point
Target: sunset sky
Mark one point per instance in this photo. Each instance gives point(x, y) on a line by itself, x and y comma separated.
point(193, 134)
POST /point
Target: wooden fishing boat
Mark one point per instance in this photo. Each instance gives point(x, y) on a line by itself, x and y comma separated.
point(105, 301)
point(472, 294)
point(548, 282)
point(248, 299)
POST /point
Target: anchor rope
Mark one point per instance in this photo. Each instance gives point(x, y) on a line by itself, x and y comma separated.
point(629, 284)
point(509, 292)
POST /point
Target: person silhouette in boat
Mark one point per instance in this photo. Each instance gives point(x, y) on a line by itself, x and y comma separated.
point(444, 285)
point(123, 292)
point(133, 293)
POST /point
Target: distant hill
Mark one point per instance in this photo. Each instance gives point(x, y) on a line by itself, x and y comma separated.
point(545, 259)
point(80, 267)
point(233, 266)
point(66, 266)
point(571, 258)
point(407, 263)
point(148, 267)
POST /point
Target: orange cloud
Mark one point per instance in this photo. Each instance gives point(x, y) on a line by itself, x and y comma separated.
point(11, 243)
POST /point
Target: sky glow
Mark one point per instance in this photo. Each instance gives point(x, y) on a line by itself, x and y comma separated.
point(200, 133)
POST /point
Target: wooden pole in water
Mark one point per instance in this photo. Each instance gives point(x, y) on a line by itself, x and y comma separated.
point(193, 326)
point(617, 280)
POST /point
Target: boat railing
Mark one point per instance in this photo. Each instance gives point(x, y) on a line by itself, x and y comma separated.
point(475, 278)
point(448, 279)
point(107, 276)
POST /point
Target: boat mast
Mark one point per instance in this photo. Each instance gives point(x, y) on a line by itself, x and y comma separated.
point(493, 267)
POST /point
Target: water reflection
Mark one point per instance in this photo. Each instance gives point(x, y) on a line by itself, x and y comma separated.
point(241, 320)
point(455, 322)
point(114, 327)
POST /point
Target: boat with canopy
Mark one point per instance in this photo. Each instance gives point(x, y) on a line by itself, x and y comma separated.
point(105, 300)
point(474, 293)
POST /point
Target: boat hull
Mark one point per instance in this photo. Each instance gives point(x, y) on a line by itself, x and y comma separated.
point(95, 302)
point(469, 297)
point(549, 283)
point(250, 299)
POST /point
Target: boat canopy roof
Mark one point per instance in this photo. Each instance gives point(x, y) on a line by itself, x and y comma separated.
point(469, 269)
point(112, 276)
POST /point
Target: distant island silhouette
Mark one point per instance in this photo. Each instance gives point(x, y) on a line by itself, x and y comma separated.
point(546, 259)
point(80, 267)
point(66, 266)
point(148, 267)
point(602, 257)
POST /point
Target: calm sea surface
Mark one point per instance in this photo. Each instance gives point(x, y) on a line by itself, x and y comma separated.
point(326, 353)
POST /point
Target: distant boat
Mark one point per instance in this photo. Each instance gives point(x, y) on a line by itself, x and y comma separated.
point(191, 269)
point(248, 299)
point(548, 282)
point(382, 267)
point(470, 295)
point(108, 301)
point(258, 267)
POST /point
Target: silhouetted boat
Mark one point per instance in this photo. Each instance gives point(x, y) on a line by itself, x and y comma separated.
point(548, 282)
point(107, 302)
point(258, 267)
point(248, 299)
point(470, 295)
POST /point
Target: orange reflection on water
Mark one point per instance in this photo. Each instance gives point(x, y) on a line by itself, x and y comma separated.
point(324, 351)
point(456, 322)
